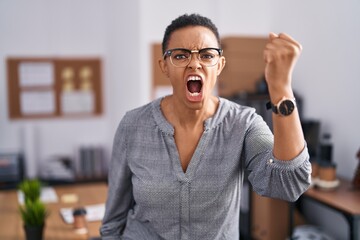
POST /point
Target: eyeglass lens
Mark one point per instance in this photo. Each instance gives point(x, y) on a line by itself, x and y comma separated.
point(182, 57)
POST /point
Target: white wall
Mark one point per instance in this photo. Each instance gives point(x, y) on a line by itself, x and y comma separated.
point(328, 72)
point(121, 32)
point(71, 29)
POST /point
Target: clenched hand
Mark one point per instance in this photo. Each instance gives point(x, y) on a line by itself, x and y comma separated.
point(280, 55)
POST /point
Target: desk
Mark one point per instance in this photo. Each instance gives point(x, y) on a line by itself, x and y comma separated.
point(343, 199)
point(11, 225)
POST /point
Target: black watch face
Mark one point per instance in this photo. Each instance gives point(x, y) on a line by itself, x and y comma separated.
point(286, 107)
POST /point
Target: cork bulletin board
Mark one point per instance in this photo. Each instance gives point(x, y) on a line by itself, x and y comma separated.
point(54, 87)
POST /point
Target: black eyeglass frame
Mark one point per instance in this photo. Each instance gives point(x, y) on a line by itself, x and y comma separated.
point(168, 52)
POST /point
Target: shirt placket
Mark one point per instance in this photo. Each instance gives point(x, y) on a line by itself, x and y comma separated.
point(185, 210)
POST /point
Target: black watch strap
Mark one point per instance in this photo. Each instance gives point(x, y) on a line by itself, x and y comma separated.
point(270, 105)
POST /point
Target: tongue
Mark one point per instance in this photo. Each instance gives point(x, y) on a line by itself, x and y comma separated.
point(194, 86)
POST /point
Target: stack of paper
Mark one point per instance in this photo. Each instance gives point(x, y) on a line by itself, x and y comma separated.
point(93, 213)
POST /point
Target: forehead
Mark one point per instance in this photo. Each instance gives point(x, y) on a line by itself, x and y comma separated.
point(193, 37)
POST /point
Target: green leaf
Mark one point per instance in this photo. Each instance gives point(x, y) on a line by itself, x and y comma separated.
point(31, 189)
point(33, 213)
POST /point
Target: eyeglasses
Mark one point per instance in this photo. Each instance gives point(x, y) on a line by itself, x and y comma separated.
point(181, 57)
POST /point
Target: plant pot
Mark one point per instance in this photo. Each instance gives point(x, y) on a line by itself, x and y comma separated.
point(34, 232)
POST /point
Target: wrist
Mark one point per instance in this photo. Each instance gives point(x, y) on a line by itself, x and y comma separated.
point(276, 94)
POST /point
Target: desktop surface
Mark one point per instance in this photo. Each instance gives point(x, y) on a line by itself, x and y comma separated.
point(11, 225)
point(343, 198)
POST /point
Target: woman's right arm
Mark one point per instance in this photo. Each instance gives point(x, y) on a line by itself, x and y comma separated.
point(120, 197)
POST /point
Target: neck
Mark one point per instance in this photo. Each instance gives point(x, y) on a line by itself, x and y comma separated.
point(182, 116)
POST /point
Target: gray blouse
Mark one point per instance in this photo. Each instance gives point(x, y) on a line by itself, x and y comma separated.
point(150, 196)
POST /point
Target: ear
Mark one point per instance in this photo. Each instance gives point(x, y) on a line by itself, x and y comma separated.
point(221, 65)
point(163, 67)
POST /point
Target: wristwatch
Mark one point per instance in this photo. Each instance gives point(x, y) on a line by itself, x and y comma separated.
point(284, 107)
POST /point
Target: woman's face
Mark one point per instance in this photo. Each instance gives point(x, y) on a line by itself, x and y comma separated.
point(192, 85)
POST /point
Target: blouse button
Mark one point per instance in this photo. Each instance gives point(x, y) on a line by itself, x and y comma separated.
point(271, 160)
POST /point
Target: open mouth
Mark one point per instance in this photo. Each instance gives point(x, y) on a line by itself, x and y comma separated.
point(194, 85)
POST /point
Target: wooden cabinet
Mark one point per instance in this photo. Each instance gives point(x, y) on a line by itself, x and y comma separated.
point(269, 218)
point(244, 65)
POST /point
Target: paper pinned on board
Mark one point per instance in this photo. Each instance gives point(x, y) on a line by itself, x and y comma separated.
point(37, 102)
point(36, 74)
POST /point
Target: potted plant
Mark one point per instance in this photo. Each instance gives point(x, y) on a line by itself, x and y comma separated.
point(33, 211)
point(33, 214)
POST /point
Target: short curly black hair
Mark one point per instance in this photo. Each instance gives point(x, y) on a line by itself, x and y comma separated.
point(185, 21)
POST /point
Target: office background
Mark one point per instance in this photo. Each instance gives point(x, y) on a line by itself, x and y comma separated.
point(327, 75)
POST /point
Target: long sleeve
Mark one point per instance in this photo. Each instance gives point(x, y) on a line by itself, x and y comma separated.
point(120, 198)
point(273, 177)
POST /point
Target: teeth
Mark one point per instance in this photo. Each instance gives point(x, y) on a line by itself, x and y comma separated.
point(194, 78)
point(195, 94)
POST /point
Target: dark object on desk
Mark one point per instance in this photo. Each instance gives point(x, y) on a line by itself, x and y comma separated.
point(327, 171)
point(356, 180)
point(79, 215)
point(34, 232)
point(11, 170)
point(326, 148)
point(326, 179)
point(58, 168)
point(311, 129)
point(324, 169)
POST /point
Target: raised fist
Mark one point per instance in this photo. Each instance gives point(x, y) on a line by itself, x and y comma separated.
point(280, 55)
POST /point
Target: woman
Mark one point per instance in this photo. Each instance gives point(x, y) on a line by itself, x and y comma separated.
point(178, 162)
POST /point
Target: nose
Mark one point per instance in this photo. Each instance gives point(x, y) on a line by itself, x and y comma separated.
point(194, 60)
